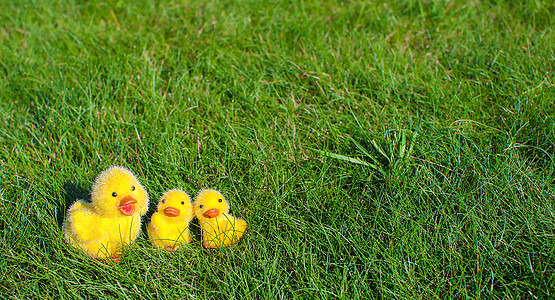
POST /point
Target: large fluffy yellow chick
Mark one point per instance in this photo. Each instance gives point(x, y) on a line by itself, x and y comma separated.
point(219, 228)
point(112, 219)
point(169, 226)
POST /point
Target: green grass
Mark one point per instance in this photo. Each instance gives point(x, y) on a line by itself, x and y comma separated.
point(396, 149)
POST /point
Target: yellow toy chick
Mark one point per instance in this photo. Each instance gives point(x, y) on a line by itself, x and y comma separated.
point(219, 228)
point(113, 218)
point(169, 226)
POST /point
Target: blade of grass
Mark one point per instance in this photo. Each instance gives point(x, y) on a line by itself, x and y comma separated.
point(377, 163)
point(346, 158)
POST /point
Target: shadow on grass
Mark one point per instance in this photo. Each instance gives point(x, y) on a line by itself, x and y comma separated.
point(72, 193)
point(145, 220)
point(194, 227)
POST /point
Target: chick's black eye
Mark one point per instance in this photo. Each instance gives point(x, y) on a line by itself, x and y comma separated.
point(182, 202)
point(201, 206)
point(114, 194)
point(220, 200)
point(164, 201)
point(132, 187)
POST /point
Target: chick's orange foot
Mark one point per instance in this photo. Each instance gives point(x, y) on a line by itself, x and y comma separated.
point(116, 258)
point(172, 248)
point(208, 246)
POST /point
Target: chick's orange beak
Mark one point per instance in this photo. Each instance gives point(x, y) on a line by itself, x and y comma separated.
point(211, 213)
point(127, 205)
point(171, 212)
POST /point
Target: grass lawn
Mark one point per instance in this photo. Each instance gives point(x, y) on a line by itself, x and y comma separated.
point(377, 149)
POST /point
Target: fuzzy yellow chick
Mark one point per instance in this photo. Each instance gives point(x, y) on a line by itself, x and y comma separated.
point(169, 226)
point(112, 219)
point(219, 228)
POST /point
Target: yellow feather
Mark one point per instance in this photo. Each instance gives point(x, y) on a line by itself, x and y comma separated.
point(105, 226)
point(219, 228)
point(169, 226)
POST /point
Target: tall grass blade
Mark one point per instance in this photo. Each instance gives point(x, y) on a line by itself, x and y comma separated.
point(346, 158)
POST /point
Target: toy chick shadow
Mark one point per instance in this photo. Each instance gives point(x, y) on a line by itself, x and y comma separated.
point(196, 232)
point(146, 219)
point(72, 192)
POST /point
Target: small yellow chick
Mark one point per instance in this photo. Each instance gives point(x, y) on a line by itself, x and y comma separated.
point(219, 228)
point(169, 225)
point(112, 219)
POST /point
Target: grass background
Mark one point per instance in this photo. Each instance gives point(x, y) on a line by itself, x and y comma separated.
point(235, 94)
